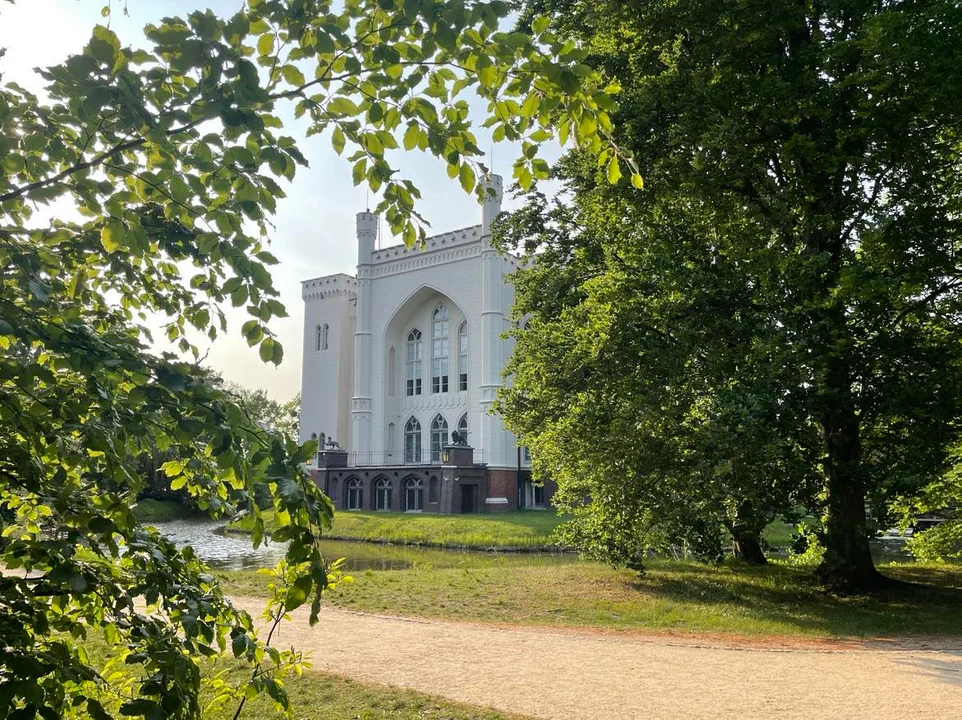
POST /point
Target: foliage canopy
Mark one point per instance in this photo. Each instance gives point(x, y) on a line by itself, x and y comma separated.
point(786, 287)
point(141, 184)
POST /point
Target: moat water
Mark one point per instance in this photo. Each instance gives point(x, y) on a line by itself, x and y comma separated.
point(234, 551)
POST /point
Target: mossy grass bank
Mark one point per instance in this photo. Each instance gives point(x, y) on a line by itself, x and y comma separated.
point(520, 530)
point(730, 599)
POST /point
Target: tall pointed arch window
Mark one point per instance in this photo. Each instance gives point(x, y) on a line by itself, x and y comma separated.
point(412, 441)
point(463, 357)
point(463, 428)
point(439, 436)
point(320, 338)
point(414, 354)
point(382, 494)
point(413, 495)
point(355, 494)
point(439, 349)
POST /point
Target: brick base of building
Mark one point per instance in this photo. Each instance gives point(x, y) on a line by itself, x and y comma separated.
point(433, 489)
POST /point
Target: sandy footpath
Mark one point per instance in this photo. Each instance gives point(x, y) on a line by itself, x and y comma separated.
point(554, 673)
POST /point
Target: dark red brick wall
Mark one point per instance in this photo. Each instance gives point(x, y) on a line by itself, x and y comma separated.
point(503, 483)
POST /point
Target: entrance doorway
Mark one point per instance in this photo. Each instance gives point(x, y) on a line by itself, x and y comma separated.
point(468, 499)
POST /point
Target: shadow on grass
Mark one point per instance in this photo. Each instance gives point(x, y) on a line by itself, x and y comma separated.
point(928, 602)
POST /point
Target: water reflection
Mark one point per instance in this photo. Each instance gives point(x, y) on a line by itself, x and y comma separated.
point(229, 551)
point(220, 550)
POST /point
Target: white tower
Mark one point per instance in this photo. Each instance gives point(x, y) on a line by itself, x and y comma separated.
point(327, 368)
point(492, 325)
point(361, 403)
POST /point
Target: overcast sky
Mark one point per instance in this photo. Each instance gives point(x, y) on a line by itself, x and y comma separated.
point(314, 232)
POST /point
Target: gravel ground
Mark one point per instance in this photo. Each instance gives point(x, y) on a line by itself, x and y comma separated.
point(555, 673)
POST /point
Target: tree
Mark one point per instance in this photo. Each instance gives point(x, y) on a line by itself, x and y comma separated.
point(816, 149)
point(267, 413)
point(283, 418)
point(659, 431)
point(167, 161)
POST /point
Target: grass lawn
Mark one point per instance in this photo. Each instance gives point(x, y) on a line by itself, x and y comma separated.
point(520, 529)
point(779, 534)
point(672, 596)
point(321, 696)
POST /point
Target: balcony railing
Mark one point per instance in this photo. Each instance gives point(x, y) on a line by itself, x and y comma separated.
point(381, 459)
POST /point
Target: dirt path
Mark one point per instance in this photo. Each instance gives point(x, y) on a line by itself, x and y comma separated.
point(552, 673)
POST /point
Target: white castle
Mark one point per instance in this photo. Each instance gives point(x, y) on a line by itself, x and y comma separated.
point(402, 355)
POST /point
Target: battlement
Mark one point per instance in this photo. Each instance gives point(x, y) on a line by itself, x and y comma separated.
point(444, 241)
point(329, 286)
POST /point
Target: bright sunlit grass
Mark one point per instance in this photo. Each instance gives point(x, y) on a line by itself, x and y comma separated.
point(524, 529)
point(776, 600)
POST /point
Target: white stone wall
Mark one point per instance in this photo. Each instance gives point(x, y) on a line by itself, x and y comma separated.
point(407, 300)
point(397, 289)
point(327, 375)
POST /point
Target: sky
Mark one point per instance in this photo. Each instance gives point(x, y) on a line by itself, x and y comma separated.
point(314, 224)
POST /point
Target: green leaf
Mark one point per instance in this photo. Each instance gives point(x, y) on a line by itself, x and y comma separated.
point(293, 75)
point(253, 331)
point(467, 177)
point(271, 351)
point(265, 45)
point(411, 136)
point(540, 24)
point(338, 140)
point(359, 171)
point(172, 468)
point(297, 593)
point(614, 170)
point(239, 296)
point(238, 644)
point(112, 236)
point(342, 106)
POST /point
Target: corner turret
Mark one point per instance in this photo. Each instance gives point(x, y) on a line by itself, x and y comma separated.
point(366, 236)
point(492, 202)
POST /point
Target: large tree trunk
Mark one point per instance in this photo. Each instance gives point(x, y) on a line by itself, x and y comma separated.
point(746, 536)
point(847, 563)
point(747, 547)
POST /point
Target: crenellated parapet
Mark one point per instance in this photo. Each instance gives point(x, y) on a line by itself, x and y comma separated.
point(338, 285)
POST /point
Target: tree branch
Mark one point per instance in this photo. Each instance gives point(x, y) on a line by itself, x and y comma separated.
point(98, 160)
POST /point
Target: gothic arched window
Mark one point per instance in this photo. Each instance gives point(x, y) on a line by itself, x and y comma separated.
point(320, 340)
point(463, 427)
point(355, 494)
point(463, 357)
point(413, 494)
point(439, 350)
point(412, 441)
point(439, 436)
point(413, 363)
point(382, 494)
